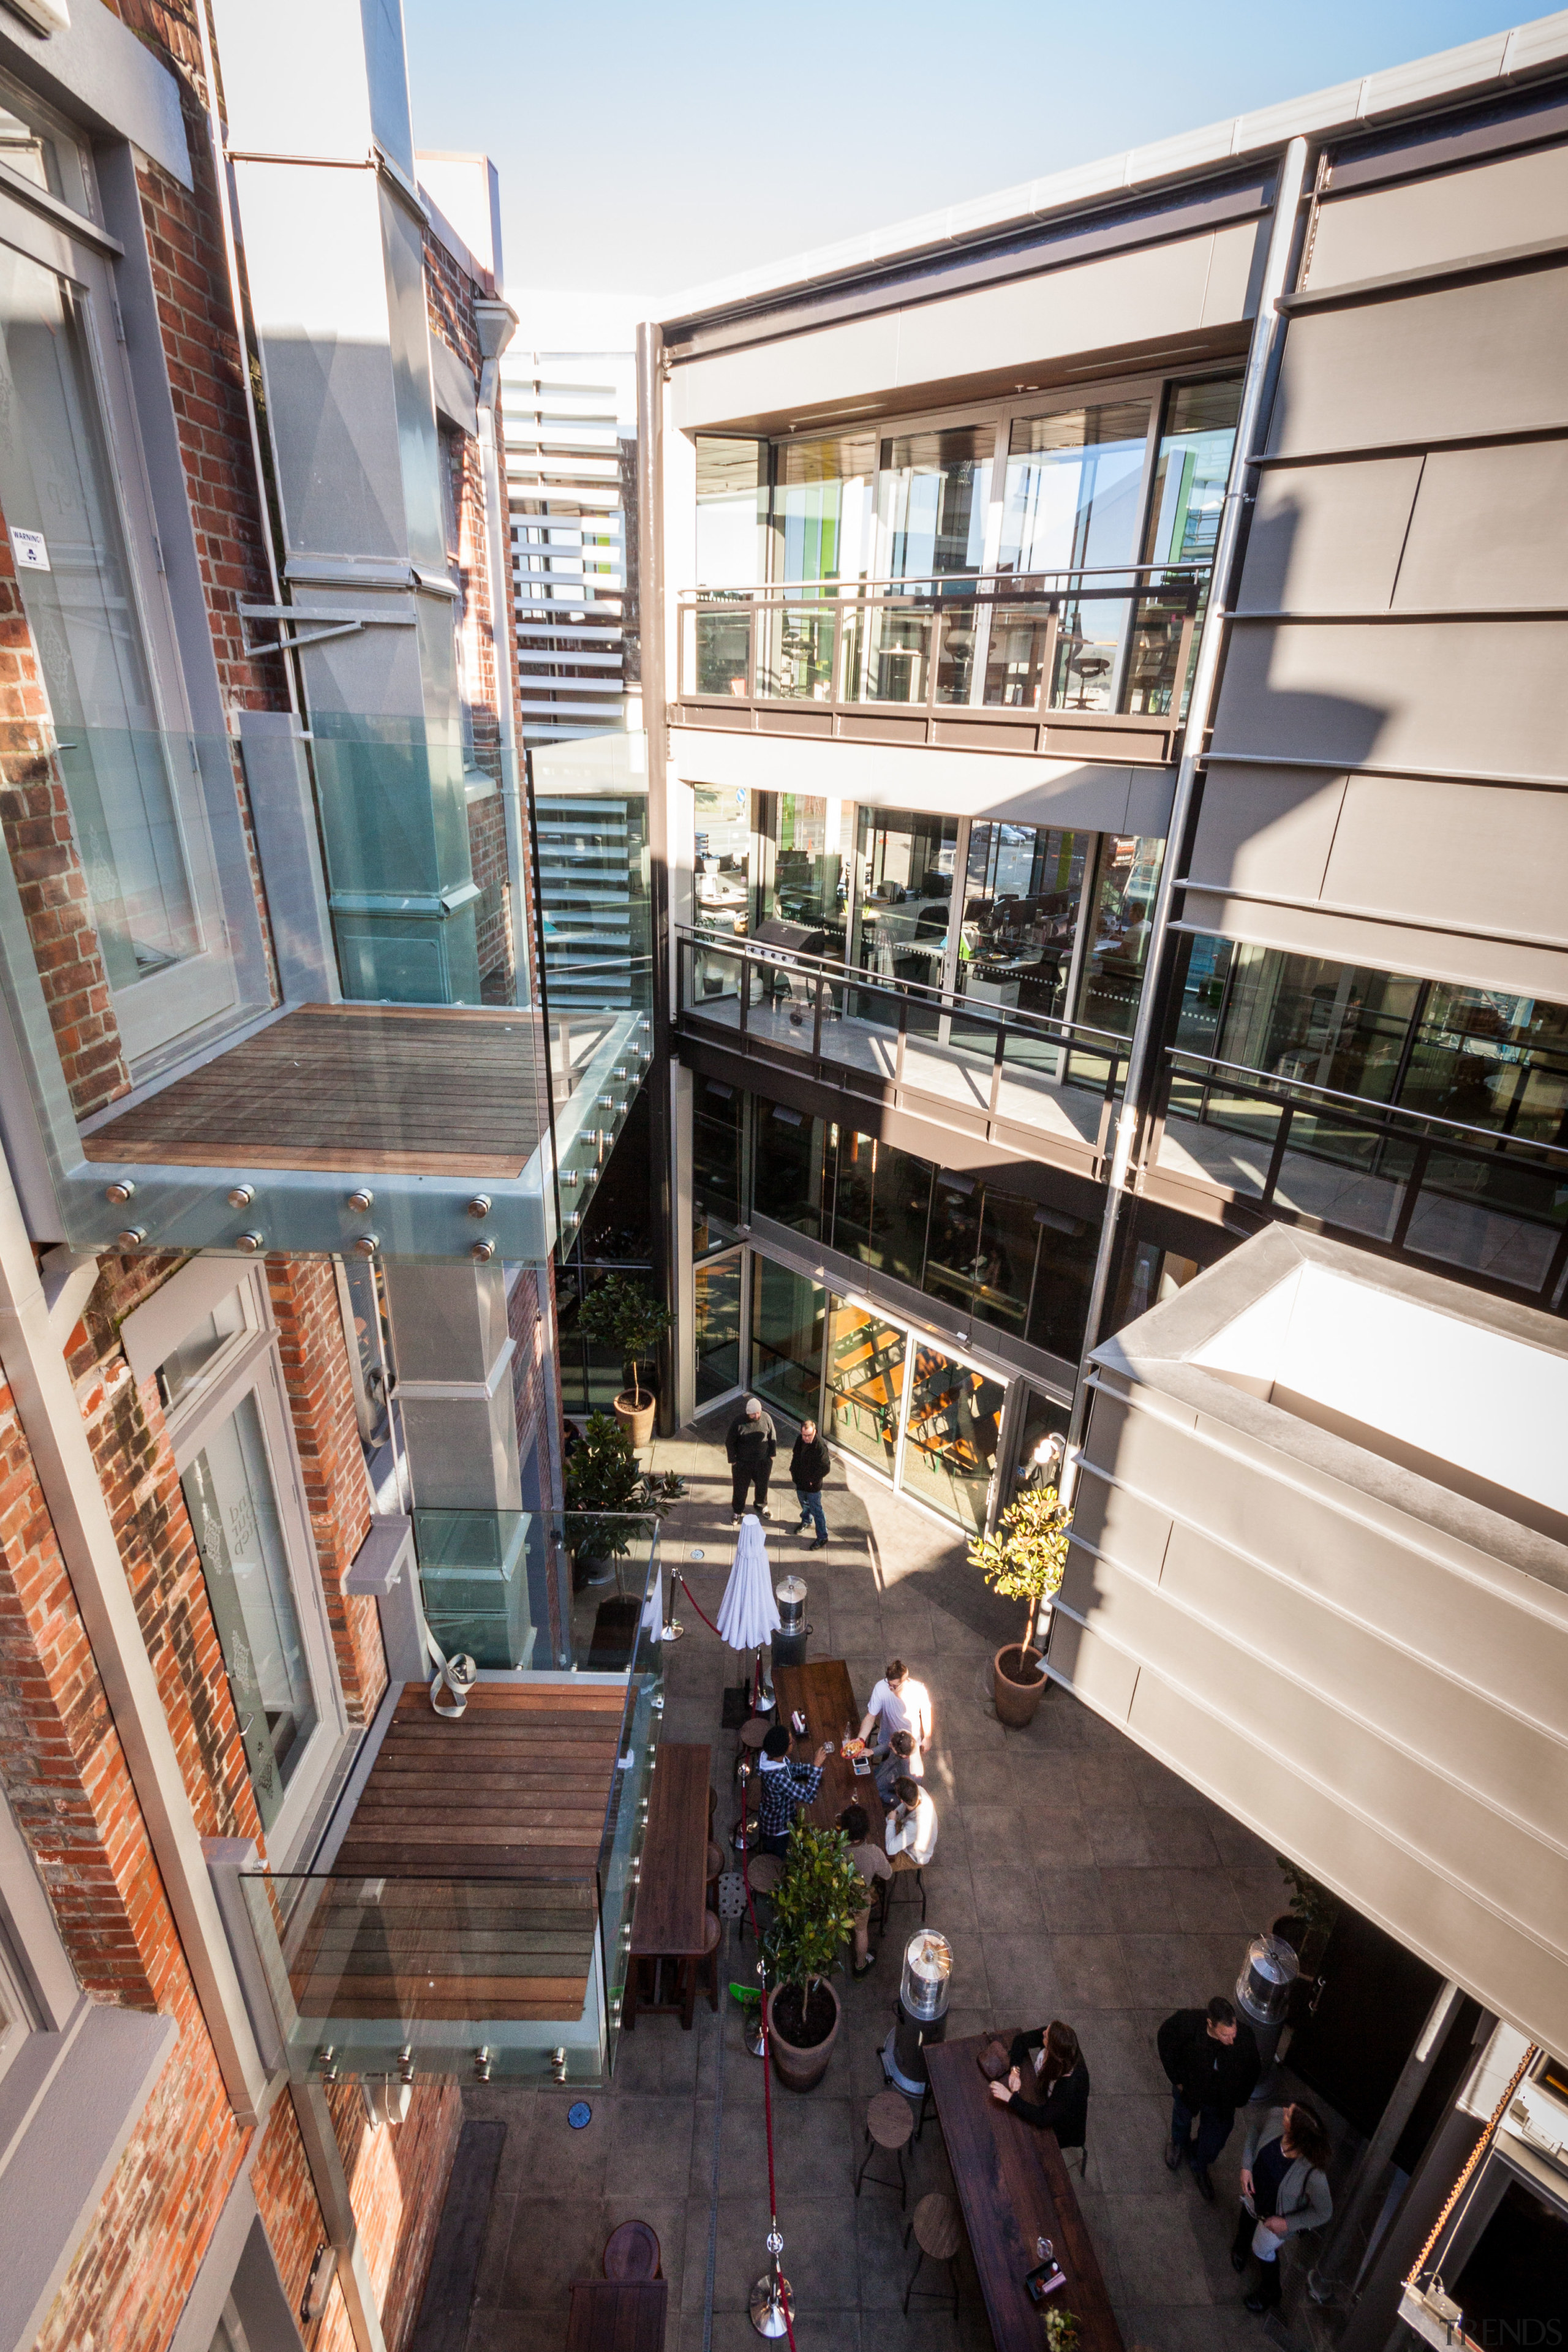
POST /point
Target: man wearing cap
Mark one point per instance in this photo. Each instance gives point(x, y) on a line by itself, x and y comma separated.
point(751, 1446)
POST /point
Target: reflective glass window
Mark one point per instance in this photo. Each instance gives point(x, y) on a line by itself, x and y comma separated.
point(1489, 1059)
point(931, 493)
point(788, 1317)
point(1064, 1270)
point(822, 507)
point(881, 1203)
point(731, 512)
point(865, 1381)
point(905, 893)
point(1329, 1024)
point(1072, 489)
point(721, 885)
point(718, 1327)
point(953, 1242)
point(715, 1164)
point(1021, 900)
point(813, 852)
point(953, 1427)
point(1118, 948)
point(1191, 470)
point(788, 1158)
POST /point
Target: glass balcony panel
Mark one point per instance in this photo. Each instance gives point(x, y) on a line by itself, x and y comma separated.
point(797, 661)
point(896, 665)
point(722, 649)
point(1018, 658)
point(1154, 655)
point(1347, 1172)
point(1090, 645)
point(956, 657)
point(1496, 1213)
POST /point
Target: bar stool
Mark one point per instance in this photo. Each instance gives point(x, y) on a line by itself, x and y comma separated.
point(939, 2235)
point(748, 1745)
point(700, 1971)
point(889, 2124)
point(632, 2251)
point(904, 1868)
point(764, 1872)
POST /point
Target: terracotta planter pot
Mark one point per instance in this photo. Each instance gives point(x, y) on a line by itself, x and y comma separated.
point(635, 1417)
point(797, 2069)
point(1016, 1684)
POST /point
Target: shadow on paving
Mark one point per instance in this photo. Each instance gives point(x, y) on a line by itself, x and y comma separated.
point(1075, 1876)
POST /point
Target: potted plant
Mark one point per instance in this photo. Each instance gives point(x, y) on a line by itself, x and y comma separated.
point(609, 1496)
point(815, 1905)
point(1023, 1561)
point(628, 1317)
point(1061, 2331)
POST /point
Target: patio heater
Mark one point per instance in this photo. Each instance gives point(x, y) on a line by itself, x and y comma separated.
point(924, 1991)
point(1263, 1997)
point(789, 1639)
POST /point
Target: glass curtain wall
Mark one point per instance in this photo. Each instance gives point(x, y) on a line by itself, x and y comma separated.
point(952, 1436)
point(905, 894)
point(822, 522)
point(865, 1381)
point(721, 860)
point(788, 1321)
point(1118, 946)
point(718, 1327)
point(1185, 507)
point(716, 1143)
point(731, 512)
point(933, 490)
point(805, 856)
point(1073, 502)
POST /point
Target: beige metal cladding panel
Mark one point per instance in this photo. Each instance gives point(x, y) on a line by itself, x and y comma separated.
point(1268, 829)
point(1103, 1677)
point(1506, 1761)
point(1326, 539)
point(1506, 1970)
point(1512, 200)
point(1483, 696)
point(1473, 1620)
point(1490, 527)
point(1468, 856)
point(1111, 1517)
point(1504, 1863)
point(1490, 356)
point(1091, 306)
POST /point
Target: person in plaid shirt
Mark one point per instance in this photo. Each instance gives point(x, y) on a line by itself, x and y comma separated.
point(786, 1786)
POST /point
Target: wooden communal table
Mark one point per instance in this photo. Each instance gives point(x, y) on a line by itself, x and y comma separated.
point(823, 1695)
point(617, 2315)
point(670, 1922)
point(1014, 2188)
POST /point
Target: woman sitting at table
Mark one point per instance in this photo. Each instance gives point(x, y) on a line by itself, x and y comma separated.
point(1048, 2084)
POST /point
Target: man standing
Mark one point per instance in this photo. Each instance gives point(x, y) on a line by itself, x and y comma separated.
point(751, 1446)
point(899, 1703)
point(786, 1786)
point(1211, 2057)
point(808, 1467)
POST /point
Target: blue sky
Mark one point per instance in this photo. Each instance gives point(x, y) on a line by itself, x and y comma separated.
point(647, 148)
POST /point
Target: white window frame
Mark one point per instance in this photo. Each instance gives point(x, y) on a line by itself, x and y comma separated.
point(249, 1364)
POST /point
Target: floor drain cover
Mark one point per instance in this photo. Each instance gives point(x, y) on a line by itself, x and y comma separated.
point(578, 2114)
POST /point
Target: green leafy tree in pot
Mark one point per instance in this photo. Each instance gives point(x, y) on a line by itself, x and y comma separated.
point(1024, 1561)
point(610, 1496)
point(815, 1905)
point(626, 1315)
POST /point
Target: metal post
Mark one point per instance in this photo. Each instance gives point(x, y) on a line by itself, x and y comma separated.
point(655, 722)
point(1256, 391)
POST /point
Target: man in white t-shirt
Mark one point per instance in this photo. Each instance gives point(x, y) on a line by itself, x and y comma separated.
point(910, 1834)
point(898, 1703)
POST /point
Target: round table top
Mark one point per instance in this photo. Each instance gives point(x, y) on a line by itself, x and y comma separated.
point(890, 2119)
point(938, 2232)
point(764, 1871)
point(754, 1732)
point(632, 2251)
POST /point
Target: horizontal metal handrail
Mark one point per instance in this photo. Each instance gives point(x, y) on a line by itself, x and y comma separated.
point(849, 586)
point(1269, 1086)
point(939, 1000)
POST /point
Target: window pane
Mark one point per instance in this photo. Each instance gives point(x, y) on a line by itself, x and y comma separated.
point(715, 1165)
point(787, 1186)
point(865, 1381)
point(881, 1202)
point(1071, 499)
point(787, 1312)
point(906, 894)
point(183, 1366)
point(822, 507)
point(718, 1327)
point(1329, 1024)
point(1190, 471)
point(931, 490)
point(234, 1512)
point(955, 1420)
point(1491, 1060)
point(55, 480)
point(1064, 1271)
point(723, 860)
point(812, 858)
point(731, 503)
point(1124, 899)
point(1021, 903)
point(954, 1239)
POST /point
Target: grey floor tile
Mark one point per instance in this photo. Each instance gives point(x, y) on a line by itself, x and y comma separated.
point(1007, 1900)
point(1171, 1972)
point(998, 1837)
point(1119, 1835)
point(1056, 1835)
point(1154, 2246)
point(1073, 1900)
point(1090, 1972)
point(1105, 1779)
point(552, 2244)
point(1181, 1836)
point(1120, 2046)
point(650, 2149)
point(1025, 1991)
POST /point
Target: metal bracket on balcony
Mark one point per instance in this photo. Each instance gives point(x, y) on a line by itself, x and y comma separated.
point(324, 624)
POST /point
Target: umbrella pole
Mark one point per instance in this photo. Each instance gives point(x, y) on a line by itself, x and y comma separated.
point(764, 1688)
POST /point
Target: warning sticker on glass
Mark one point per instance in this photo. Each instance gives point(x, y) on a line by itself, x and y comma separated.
point(30, 549)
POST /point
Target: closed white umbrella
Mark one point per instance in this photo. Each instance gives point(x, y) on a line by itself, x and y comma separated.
point(748, 1614)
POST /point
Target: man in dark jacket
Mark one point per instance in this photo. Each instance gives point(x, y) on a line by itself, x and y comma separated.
point(751, 1446)
point(1211, 2057)
point(808, 1467)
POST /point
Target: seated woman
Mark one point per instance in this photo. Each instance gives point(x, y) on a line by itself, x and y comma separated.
point(1049, 2085)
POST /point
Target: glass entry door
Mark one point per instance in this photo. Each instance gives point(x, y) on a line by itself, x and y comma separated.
point(950, 1444)
point(865, 1383)
point(719, 1323)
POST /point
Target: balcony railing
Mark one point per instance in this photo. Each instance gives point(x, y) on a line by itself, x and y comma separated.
point(972, 660)
point(977, 1063)
point(476, 1921)
point(1494, 1203)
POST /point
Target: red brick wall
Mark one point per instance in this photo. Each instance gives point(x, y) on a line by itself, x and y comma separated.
point(304, 1297)
point(291, 2216)
point(398, 2177)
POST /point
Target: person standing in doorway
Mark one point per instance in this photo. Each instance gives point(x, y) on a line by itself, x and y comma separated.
point(808, 1467)
point(898, 1703)
point(751, 1445)
point(1211, 2057)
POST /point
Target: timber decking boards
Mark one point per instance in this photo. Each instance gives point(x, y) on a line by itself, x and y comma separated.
point(403, 1089)
point(465, 1888)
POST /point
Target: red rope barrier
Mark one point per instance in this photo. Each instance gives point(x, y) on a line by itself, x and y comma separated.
point(752, 1909)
